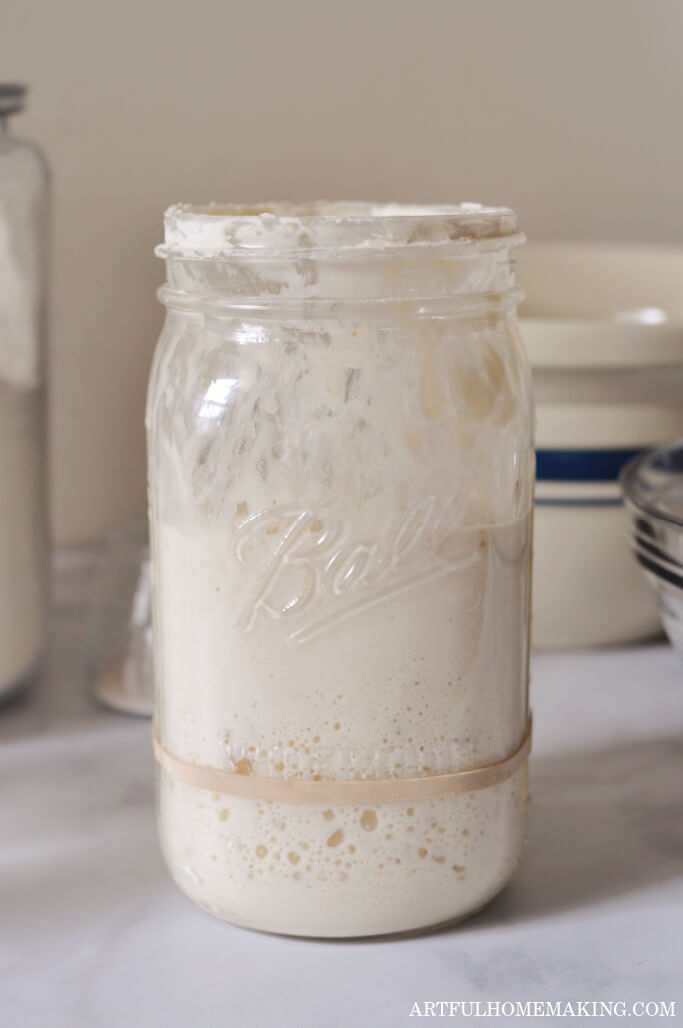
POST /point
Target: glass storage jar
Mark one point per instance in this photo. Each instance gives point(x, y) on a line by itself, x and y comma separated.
point(340, 483)
point(23, 563)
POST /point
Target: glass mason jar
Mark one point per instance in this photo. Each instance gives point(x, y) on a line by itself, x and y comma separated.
point(340, 482)
point(23, 554)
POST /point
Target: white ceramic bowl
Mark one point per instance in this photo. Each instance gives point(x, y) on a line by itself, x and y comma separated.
point(603, 326)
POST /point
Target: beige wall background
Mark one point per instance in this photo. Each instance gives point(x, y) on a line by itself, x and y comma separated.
point(568, 110)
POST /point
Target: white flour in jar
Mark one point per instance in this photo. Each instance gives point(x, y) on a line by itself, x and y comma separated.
point(21, 534)
point(22, 528)
point(327, 606)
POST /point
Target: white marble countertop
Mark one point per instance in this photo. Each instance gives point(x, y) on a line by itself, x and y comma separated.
point(94, 933)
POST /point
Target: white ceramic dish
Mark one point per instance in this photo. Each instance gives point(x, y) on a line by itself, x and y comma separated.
point(603, 326)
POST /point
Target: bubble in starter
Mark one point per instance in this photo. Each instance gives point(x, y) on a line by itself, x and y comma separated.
point(368, 820)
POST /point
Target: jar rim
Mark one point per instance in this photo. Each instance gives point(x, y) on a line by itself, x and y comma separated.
point(215, 231)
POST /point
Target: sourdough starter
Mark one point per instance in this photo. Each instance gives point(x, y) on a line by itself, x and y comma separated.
point(340, 552)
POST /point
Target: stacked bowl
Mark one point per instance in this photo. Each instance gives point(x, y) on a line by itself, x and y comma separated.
point(603, 327)
point(652, 486)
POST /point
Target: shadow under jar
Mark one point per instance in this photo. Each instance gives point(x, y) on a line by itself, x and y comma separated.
point(340, 481)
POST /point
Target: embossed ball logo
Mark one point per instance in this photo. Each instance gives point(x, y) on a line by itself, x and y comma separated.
point(310, 572)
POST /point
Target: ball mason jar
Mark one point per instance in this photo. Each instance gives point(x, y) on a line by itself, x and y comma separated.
point(23, 500)
point(340, 484)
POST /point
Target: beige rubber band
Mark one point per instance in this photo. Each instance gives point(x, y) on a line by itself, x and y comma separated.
point(339, 792)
